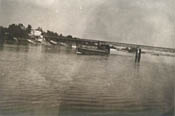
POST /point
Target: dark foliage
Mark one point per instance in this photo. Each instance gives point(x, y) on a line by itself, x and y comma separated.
point(18, 32)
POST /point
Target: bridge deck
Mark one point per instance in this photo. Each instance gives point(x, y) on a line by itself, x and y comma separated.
point(154, 48)
point(146, 47)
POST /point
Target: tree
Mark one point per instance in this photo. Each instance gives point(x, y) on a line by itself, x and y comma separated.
point(17, 31)
point(29, 28)
point(40, 29)
point(69, 36)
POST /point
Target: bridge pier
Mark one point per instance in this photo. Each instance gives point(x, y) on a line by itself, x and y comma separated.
point(138, 55)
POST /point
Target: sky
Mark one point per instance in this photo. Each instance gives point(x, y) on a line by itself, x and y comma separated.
point(147, 22)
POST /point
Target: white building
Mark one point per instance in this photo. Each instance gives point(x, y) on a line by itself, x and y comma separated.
point(36, 34)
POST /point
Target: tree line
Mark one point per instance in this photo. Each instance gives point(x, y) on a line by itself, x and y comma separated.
point(14, 31)
point(19, 32)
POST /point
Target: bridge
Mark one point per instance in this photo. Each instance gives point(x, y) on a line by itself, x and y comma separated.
point(114, 44)
point(136, 48)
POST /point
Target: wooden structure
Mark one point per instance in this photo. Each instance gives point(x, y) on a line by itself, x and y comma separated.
point(93, 49)
point(105, 46)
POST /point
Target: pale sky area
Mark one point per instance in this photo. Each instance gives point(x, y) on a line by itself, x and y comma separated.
point(149, 22)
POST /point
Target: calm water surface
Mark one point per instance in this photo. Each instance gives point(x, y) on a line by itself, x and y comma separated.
point(54, 81)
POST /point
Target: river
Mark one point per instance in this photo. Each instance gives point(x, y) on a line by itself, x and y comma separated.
point(54, 81)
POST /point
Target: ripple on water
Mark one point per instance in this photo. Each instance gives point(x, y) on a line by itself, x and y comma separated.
point(54, 83)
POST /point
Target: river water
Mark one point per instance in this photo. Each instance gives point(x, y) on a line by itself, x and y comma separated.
point(54, 81)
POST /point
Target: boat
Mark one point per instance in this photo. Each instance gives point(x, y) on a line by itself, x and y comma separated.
point(53, 42)
point(31, 41)
point(93, 50)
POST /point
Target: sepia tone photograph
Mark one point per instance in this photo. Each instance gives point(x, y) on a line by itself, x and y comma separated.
point(87, 57)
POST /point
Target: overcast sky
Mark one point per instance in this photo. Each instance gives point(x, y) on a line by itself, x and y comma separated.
point(150, 22)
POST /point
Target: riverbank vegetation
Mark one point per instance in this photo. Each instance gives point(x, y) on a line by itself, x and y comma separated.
point(21, 34)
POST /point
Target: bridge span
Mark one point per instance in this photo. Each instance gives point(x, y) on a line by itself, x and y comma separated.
point(114, 44)
point(119, 44)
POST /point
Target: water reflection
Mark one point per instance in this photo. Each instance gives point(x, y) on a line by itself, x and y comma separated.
point(53, 81)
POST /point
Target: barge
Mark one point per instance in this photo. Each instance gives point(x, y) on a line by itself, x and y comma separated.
point(93, 50)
